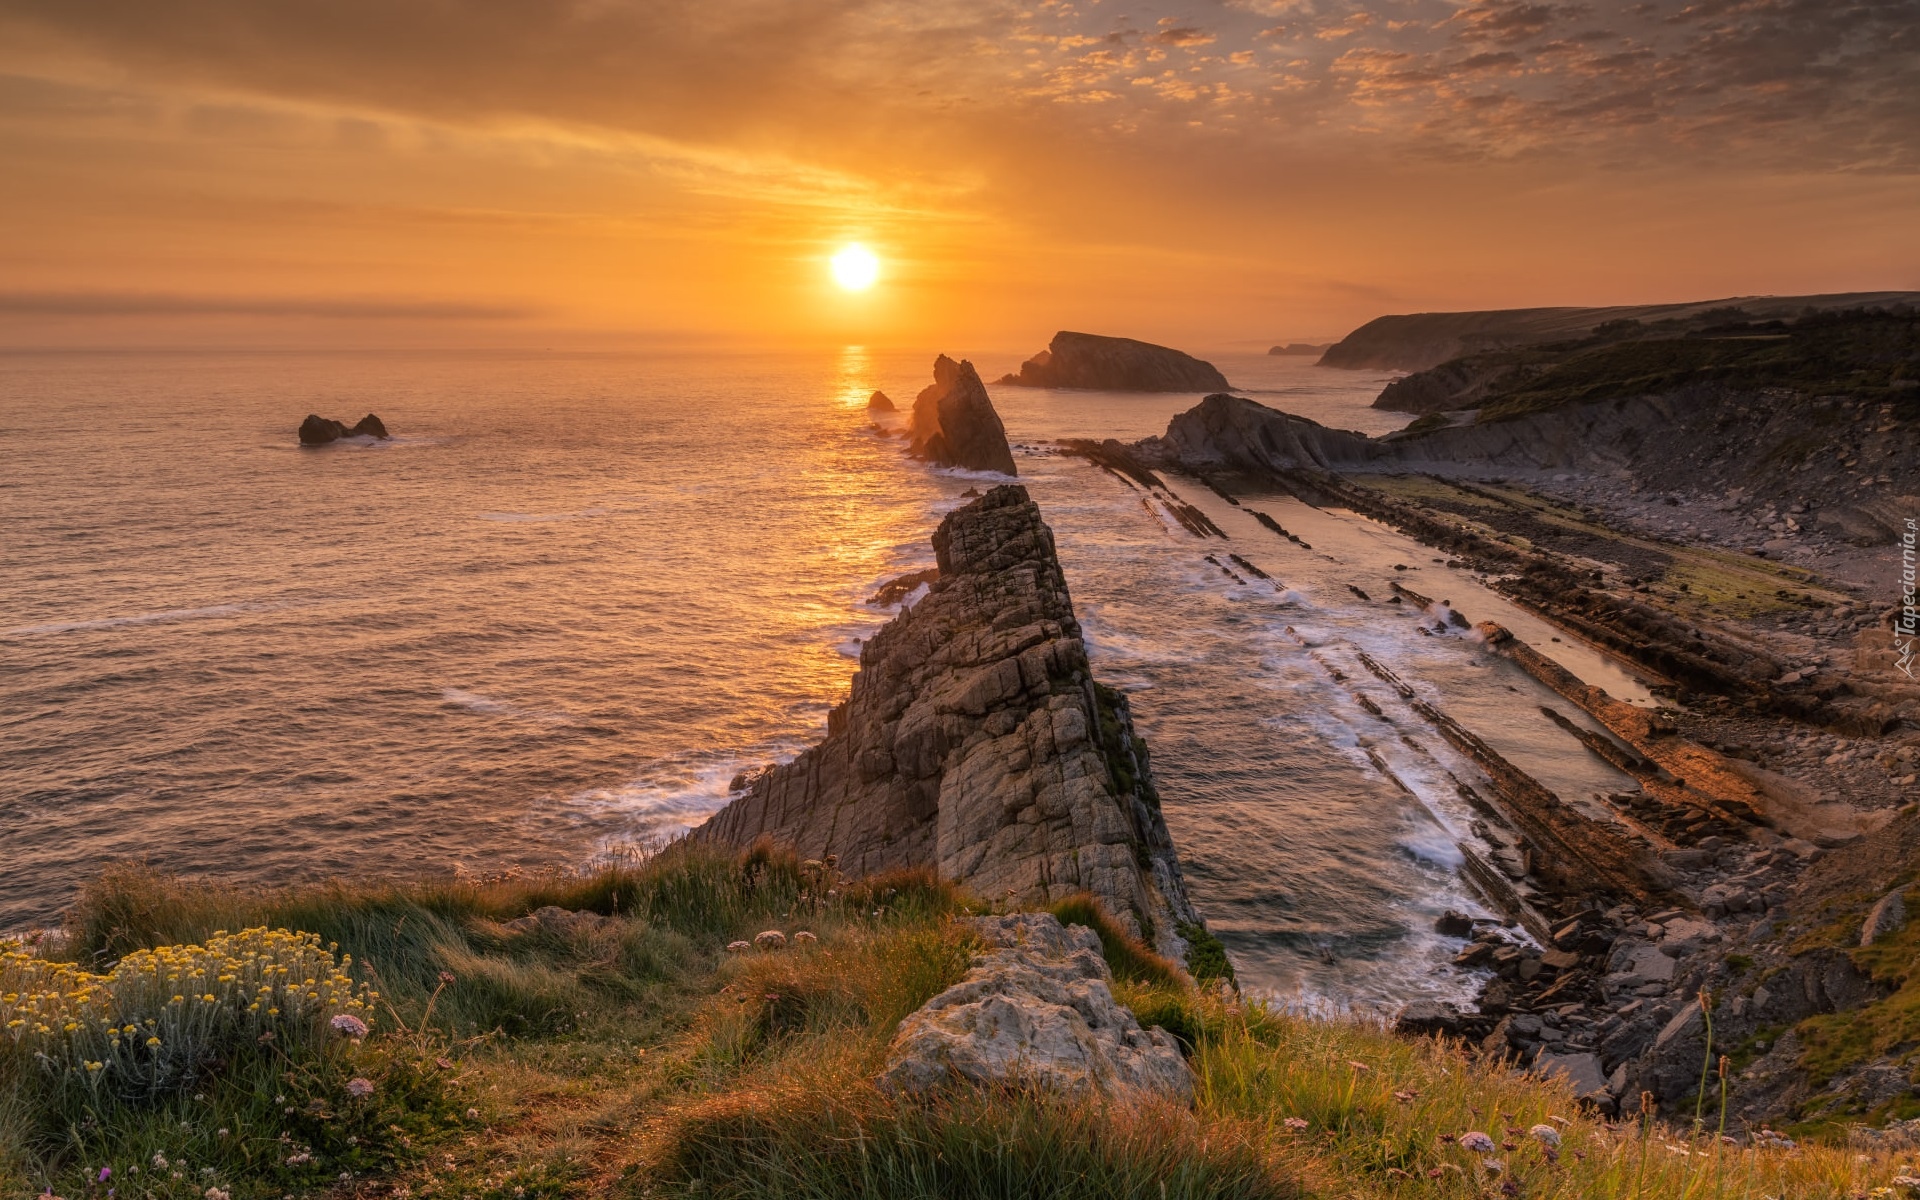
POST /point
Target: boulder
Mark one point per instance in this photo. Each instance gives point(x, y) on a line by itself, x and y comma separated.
point(1582, 1071)
point(554, 919)
point(880, 402)
point(954, 422)
point(317, 430)
point(1115, 364)
point(1454, 924)
point(1888, 916)
point(1424, 1017)
point(1035, 1009)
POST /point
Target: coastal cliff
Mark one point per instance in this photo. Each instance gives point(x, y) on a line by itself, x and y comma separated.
point(1417, 341)
point(975, 741)
point(954, 422)
point(1115, 364)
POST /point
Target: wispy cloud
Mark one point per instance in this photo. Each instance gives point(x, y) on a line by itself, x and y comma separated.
point(146, 304)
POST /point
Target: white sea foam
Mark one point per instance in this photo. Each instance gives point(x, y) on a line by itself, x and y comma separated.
point(669, 797)
point(488, 706)
point(152, 618)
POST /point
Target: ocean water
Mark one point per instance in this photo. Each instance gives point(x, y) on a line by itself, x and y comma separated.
point(577, 593)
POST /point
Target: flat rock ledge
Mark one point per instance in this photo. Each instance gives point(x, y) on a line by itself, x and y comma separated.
point(1036, 1009)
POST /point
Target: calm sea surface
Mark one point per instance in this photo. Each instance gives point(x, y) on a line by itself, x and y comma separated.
point(576, 594)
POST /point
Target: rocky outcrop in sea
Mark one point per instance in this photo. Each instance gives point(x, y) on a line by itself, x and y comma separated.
point(954, 422)
point(317, 430)
point(976, 741)
point(1116, 364)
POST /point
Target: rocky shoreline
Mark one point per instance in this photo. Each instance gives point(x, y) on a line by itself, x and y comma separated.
point(1718, 908)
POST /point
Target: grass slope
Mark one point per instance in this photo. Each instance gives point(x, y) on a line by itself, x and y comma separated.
point(635, 1056)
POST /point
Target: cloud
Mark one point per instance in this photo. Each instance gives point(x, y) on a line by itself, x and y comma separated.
point(1181, 35)
point(143, 304)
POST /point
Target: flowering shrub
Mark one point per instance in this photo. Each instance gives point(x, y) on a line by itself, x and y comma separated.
point(154, 1022)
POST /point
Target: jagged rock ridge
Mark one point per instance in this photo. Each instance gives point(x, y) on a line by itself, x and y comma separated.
point(1116, 364)
point(954, 422)
point(976, 742)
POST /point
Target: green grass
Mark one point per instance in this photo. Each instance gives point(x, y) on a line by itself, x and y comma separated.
point(642, 1058)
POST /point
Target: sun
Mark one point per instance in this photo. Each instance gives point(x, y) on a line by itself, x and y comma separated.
point(855, 267)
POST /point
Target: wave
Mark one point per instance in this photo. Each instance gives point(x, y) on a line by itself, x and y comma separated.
point(672, 796)
point(152, 618)
point(537, 518)
point(488, 706)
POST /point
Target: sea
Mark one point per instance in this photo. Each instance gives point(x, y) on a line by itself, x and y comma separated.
point(576, 594)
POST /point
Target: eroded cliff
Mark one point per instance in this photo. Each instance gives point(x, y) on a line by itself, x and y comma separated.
point(975, 741)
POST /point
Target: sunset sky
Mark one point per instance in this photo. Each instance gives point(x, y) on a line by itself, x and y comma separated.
point(604, 172)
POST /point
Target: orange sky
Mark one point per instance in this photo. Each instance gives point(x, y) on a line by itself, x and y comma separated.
point(605, 172)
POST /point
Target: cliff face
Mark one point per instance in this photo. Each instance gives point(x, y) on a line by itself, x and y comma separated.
point(954, 422)
point(1416, 341)
point(976, 742)
point(1112, 364)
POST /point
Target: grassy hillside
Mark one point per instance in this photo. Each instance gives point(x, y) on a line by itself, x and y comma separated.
point(630, 1054)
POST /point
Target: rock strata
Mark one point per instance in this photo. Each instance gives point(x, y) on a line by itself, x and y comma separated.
point(1114, 364)
point(976, 742)
point(317, 430)
point(1035, 1009)
point(954, 422)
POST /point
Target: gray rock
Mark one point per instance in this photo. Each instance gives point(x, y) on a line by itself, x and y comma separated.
point(1582, 1071)
point(954, 422)
point(1681, 1026)
point(975, 743)
point(554, 919)
point(1423, 1017)
point(1888, 916)
point(1035, 1009)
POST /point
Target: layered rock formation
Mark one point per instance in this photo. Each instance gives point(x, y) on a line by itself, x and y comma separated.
point(976, 742)
point(1416, 341)
point(954, 422)
point(317, 430)
point(1036, 1009)
point(1114, 364)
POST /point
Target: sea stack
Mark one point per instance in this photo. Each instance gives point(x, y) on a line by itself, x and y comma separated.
point(976, 742)
point(954, 423)
point(880, 402)
point(1116, 364)
point(317, 430)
